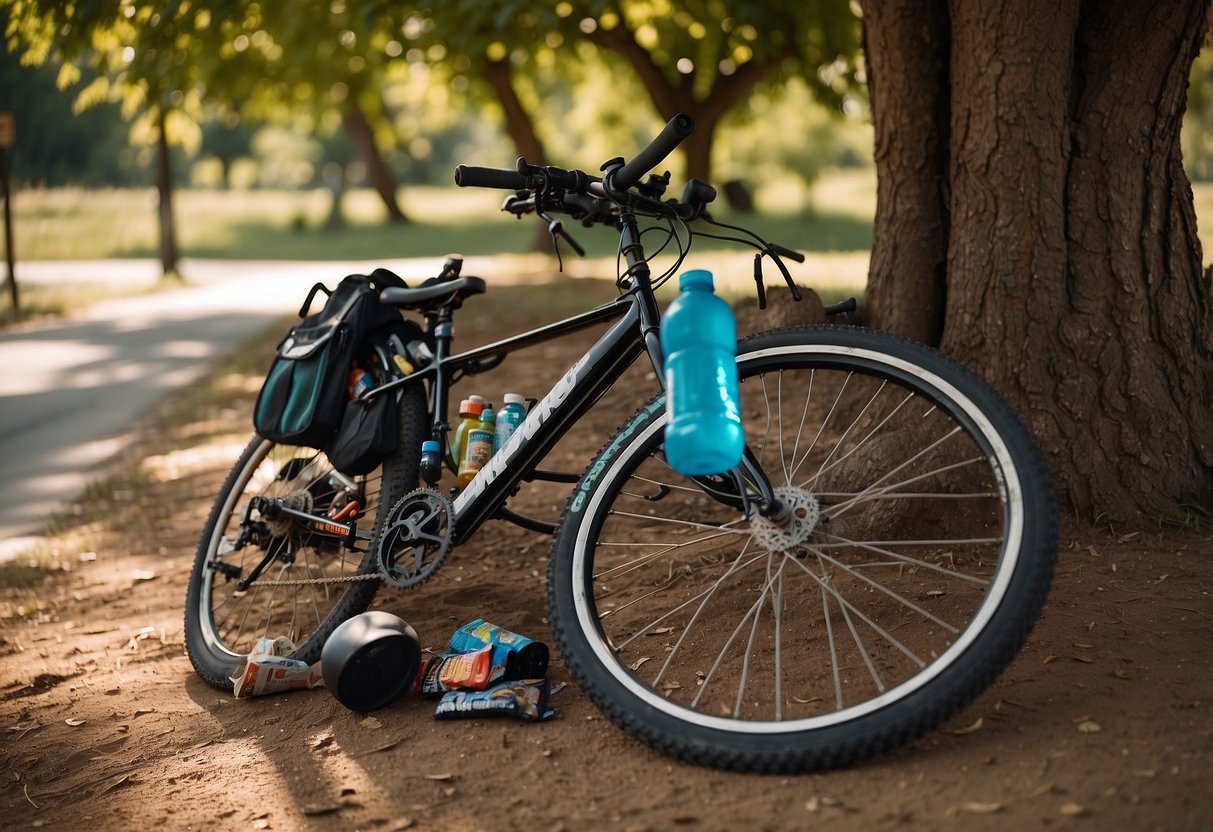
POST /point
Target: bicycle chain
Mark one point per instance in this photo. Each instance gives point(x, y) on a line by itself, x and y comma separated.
point(340, 579)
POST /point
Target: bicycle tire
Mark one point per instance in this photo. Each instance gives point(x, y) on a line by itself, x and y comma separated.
point(218, 632)
point(909, 577)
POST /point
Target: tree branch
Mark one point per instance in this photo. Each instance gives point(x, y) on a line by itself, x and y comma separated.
point(667, 98)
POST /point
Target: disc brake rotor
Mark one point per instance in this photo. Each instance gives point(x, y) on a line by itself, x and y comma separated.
point(804, 513)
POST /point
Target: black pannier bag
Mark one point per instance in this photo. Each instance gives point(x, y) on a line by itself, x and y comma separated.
point(304, 400)
point(366, 435)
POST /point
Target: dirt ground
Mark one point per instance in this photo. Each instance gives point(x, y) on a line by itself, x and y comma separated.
point(1105, 721)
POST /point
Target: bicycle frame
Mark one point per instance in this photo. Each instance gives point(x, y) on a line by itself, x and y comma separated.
point(635, 331)
point(570, 397)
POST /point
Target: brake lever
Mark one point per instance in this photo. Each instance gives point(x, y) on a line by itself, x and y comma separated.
point(519, 203)
point(556, 229)
point(787, 276)
point(762, 289)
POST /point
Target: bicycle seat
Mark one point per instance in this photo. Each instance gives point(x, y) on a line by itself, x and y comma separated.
point(427, 293)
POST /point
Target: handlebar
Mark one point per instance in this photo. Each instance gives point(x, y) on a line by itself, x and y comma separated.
point(592, 200)
point(676, 130)
point(470, 176)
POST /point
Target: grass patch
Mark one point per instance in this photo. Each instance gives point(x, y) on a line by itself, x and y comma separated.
point(22, 574)
point(77, 224)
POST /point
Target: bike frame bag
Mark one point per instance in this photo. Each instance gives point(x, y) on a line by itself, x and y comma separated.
point(304, 398)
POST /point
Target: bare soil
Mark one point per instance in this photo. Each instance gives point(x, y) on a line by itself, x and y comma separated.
point(1105, 721)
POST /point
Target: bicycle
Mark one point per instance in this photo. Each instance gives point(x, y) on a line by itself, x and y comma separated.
point(877, 558)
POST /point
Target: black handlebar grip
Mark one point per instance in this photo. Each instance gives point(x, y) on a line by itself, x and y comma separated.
point(783, 251)
point(470, 176)
point(672, 135)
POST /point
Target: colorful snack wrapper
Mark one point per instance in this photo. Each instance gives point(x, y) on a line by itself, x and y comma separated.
point(270, 669)
point(455, 671)
point(526, 700)
point(519, 656)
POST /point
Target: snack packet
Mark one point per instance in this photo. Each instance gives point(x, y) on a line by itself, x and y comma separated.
point(519, 656)
point(526, 700)
point(454, 671)
point(270, 669)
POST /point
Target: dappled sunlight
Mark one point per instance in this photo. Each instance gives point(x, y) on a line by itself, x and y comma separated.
point(185, 461)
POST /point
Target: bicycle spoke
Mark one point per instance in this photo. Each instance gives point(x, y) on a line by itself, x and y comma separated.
point(890, 593)
point(706, 596)
point(844, 603)
point(878, 547)
point(637, 563)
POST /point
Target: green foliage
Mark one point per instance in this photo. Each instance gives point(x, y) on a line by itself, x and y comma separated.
point(55, 146)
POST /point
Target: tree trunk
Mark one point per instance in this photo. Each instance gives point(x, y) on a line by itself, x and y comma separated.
point(164, 188)
point(359, 130)
point(906, 50)
point(698, 149)
point(1135, 351)
point(1073, 269)
point(518, 122)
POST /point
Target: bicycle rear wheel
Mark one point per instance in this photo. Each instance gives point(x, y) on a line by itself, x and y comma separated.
point(310, 581)
point(915, 558)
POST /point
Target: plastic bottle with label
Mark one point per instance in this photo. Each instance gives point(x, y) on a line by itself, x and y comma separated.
point(509, 418)
point(477, 447)
point(703, 433)
point(469, 415)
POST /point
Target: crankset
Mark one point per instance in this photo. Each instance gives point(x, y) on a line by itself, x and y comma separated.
point(416, 538)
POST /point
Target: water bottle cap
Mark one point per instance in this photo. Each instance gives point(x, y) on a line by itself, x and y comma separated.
point(513, 398)
point(430, 446)
point(695, 278)
point(471, 407)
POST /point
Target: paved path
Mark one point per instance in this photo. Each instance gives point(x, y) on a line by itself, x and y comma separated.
point(71, 390)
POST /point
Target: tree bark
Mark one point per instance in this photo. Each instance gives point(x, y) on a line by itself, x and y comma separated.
point(1073, 274)
point(1135, 350)
point(906, 47)
point(359, 130)
point(164, 189)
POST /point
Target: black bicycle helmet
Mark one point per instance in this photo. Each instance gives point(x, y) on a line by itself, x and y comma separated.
point(370, 660)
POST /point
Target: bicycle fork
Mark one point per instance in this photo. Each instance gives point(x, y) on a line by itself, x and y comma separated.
point(748, 470)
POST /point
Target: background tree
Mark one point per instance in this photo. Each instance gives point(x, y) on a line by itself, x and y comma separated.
point(56, 146)
point(151, 57)
point(227, 138)
point(331, 58)
point(702, 58)
point(705, 58)
point(1034, 220)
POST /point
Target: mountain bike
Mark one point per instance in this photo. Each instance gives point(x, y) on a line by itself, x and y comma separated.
point(875, 560)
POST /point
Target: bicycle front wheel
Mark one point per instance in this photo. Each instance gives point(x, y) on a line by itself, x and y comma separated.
point(302, 580)
point(915, 555)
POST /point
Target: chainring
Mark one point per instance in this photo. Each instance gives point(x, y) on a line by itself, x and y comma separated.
point(415, 539)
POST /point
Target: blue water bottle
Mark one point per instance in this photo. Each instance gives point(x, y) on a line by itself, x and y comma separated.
point(703, 432)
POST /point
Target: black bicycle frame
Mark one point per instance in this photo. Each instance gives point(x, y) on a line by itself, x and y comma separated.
point(635, 331)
